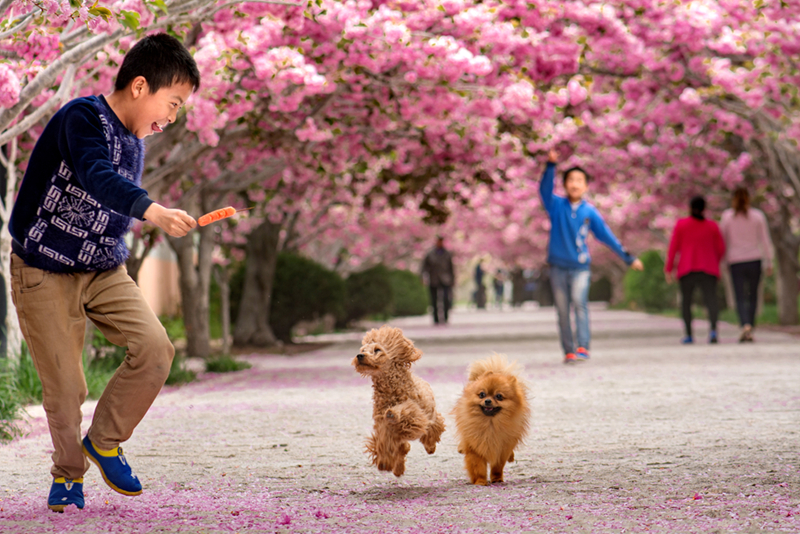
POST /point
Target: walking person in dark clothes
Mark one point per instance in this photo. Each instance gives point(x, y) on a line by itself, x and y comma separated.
point(748, 249)
point(438, 268)
point(699, 246)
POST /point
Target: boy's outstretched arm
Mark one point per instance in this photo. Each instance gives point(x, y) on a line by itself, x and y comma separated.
point(83, 143)
point(604, 234)
point(546, 185)
point(176, 223)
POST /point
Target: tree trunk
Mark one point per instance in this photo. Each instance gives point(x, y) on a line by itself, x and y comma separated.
point(148, 241)
point(222, 276)
point(195, 280)
point(787, 248)
point(13, 333)
point(616, 275)
point(252, 323)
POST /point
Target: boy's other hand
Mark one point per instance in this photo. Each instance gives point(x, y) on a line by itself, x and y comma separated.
point(176, 223)
point(552, 156)
point(637, 265)
point(669, 277)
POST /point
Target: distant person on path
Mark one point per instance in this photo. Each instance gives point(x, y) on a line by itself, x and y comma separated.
point(499, 285)
point(438, 268)
point(79, 197)
point(748, 248)
point(572, 218)
point(699, 245)
point(480, 289)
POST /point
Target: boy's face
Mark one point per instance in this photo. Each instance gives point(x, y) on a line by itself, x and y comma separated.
point(155, 110)
point(575, 185)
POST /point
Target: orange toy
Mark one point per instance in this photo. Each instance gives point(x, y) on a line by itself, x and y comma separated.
point(216, 215)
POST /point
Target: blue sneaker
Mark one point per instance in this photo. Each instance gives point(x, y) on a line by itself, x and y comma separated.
point(712, 337)
point(114, 468)
point(64, 492)
point(687, 340)
point(582, 354)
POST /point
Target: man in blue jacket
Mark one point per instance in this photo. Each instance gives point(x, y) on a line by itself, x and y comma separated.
point(571, 220)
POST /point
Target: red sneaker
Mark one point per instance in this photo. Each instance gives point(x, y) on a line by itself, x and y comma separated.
point(581, 354)
point(570, 358)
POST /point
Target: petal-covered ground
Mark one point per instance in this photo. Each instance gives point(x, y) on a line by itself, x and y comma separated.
point(650, 436)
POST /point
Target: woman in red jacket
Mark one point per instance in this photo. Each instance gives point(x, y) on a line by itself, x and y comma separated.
point(700, 247)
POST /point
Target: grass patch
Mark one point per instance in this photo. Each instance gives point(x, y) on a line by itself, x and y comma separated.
point(178, 373)
point(10, 405)
point(226, 364)
point(769, 315)
point(26, 379)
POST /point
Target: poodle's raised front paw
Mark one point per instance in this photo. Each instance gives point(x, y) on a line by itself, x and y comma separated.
point(390, 414)
point(399, 468)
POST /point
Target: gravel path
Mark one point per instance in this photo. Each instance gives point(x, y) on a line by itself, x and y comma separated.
point(648, 436)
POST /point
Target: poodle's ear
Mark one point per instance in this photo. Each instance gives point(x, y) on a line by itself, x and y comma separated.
point(409, 353)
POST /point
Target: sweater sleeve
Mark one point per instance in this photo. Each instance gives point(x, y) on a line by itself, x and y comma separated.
point(719, 243)
point(724, 226)
point(674, 245)
point(546, 186)
point(767, 249)
point(84, 146)
point(604, 234)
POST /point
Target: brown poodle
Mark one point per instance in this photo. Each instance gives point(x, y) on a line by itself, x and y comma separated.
point(403, 405)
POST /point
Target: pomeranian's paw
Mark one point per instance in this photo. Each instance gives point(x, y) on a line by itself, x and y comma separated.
point(480, 482)
point(511, 457)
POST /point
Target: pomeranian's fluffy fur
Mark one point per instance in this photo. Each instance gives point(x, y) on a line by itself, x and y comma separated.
point(492, 417)
point(403, 405)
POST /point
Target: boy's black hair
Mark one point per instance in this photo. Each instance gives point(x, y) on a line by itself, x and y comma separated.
point(576, 168)
point(697, 206)
point(162, 60)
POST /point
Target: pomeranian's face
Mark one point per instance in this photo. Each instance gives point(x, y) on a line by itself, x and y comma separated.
point(371, 359)
point(492, 394)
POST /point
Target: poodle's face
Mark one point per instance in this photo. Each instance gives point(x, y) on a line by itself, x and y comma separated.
point(371, 359)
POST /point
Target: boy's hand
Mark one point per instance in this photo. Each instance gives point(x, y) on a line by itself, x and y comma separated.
point(637, 265)
point(176, 223)
point(552, 156)
point(669, 277)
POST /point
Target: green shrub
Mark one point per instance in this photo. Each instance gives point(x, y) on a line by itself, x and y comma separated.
point(600, 290)
point(369, 292)
point(303, 290)
point(647, 289)
point(410, 297)
point(174, 326)
point(225, 363)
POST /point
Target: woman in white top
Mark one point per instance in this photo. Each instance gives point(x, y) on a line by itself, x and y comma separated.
point(748, 248)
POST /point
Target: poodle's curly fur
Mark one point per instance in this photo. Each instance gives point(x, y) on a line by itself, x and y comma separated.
point(403, 405)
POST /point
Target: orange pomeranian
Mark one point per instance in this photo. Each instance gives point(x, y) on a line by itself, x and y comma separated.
point(491, 417)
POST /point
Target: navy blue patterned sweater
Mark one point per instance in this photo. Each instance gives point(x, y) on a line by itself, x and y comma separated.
point(80, 192)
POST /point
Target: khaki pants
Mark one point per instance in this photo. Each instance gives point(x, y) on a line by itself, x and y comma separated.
point(52, 310)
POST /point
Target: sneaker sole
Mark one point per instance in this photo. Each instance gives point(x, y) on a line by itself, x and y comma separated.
point(110, 484)
point(60, 507)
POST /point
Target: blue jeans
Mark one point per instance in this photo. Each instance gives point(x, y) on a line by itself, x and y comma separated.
point(571, 287)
